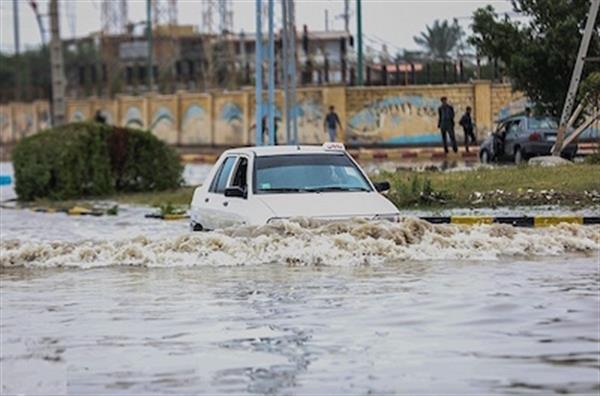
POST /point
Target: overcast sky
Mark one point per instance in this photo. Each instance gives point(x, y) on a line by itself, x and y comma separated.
point(394, 22)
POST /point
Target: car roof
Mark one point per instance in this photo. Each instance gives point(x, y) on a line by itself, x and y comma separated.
point(261, 151)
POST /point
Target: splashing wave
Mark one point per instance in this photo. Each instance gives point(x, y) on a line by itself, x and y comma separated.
point(310, 242)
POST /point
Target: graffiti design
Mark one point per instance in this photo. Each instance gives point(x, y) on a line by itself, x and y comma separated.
point(77, 116)
point(310, 116)
point(195, 126)
point(229, 124)
point(512, 108)
point(405, 119)
point(5, 129)
point(133, 118)
point(163, 125)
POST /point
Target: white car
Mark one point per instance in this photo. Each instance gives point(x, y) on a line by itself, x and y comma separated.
point(257, 185)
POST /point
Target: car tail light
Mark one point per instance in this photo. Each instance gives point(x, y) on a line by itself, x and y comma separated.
point(535, 137)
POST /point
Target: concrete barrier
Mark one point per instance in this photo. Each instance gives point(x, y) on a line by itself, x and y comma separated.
point(516, 221)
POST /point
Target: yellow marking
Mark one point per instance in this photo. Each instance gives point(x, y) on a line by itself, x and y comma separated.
point(546, 221)
point(471, 220)
point(78, 210)
point(174, 217)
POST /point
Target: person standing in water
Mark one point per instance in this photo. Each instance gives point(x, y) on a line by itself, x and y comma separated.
point(331, 122)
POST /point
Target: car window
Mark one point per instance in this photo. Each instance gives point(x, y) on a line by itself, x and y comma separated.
point(514, 127)
point(307, 173)
point(542, 123)
point(241, 173)
point(219, 183)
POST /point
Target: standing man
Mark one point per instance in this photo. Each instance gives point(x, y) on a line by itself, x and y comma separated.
point(467, 125)
point(446, 124)
point(331, 122)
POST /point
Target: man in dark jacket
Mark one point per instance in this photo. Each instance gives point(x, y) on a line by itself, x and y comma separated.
point(467, 124)
point(330, 124)
point(446, 124)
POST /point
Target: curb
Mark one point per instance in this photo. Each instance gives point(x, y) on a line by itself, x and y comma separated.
point(167, 216)
point(520, 221)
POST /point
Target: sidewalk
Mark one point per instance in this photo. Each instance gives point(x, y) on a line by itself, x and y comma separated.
point(378, 154)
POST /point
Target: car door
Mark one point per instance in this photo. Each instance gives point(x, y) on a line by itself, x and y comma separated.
point(513, 132)
point(236, 209)
point(212, 214)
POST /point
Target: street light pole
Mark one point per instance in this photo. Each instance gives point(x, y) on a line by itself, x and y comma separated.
point(150, 70)
point(271, 87)
point(258, 72)
point(57, 67)
point(17, 49)
point(359, 41)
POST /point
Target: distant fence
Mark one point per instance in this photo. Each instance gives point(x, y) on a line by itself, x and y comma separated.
point(382, 115)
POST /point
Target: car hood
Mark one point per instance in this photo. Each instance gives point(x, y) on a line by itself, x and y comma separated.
point(328, 204)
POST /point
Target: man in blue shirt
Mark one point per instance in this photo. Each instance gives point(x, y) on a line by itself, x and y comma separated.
point(331, 122)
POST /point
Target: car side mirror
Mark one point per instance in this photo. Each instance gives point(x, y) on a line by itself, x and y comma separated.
point(237, 192)
point(382, 186)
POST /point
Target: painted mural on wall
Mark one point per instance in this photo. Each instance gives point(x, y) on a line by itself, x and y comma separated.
point(5, 125)
point(310, 114)
point(78, 116)
point(43, 116)
point(195, 125)
point(229, 124)
point(133, 118)
point(164, 125)
point(403, 119)
point(279, 126)
point(24, 122)
point(512, 108)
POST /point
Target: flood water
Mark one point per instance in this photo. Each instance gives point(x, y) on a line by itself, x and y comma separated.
point(128, 305)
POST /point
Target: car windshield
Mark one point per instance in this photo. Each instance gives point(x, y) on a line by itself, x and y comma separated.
point(307, 173)
point(542, 123)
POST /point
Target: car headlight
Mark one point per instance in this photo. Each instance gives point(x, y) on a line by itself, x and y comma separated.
point(393, 217)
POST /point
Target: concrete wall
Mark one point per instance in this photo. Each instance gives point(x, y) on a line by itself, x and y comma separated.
point(369, 115)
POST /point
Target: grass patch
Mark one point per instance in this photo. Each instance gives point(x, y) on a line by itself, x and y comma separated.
point(176, 198)
point(168, 201)
point(571, 185)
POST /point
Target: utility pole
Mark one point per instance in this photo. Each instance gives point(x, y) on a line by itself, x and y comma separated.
point(258, 72)
point(285, 67)
point(271, 86)
point(576, 77)
point(359, 42)
point(57, 67)
point(347, 15)
point(150, 71)
point(292, 68)
point(17, 49)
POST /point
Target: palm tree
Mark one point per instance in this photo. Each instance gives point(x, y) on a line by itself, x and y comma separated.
point(440, 39)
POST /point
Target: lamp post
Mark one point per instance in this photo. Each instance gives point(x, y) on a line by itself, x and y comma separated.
point(359, 41)
point(258, 63)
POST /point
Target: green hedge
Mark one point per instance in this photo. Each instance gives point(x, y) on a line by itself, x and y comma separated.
point(91, 159)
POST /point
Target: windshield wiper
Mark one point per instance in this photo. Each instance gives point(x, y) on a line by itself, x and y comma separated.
point(282, 190)
point(336, 188)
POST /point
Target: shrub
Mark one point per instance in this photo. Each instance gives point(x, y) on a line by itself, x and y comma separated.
point(593, 159)
point(91, 159)
point(414, 191)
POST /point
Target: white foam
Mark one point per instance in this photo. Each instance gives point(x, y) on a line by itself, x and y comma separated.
point(308, 242)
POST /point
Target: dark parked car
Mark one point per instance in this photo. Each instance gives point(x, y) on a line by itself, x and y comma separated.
point(520, 137)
